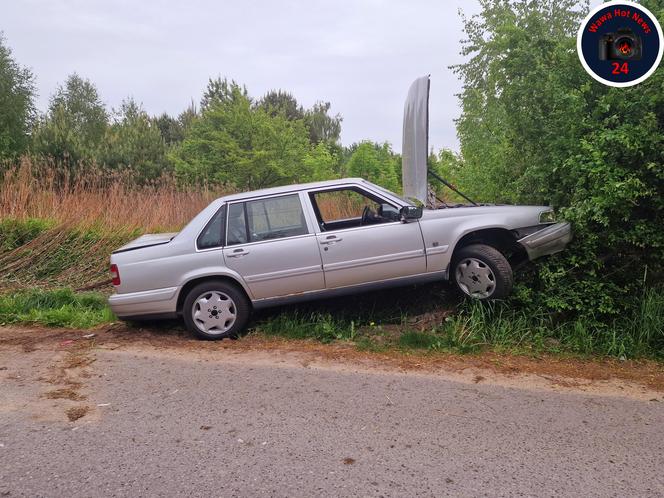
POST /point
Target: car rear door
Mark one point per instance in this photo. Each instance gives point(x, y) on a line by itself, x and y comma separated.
point(353, 254)
point(271, 245)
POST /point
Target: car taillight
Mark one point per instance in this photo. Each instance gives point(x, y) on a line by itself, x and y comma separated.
point(115, 275)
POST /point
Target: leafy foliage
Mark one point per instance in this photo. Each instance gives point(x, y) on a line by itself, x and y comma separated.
point(220, 91)
point(537, 129)
point(375, 162)
point(321, 162)
point(17, 93)
point(233, 140)
point(173, 130)
point(240, 145)
point(322, 127)
point(248, 145)
point(74, 126)
point(134, 141)
point(278, 102)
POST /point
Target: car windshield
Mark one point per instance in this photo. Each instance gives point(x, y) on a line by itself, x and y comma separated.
point(389, 192)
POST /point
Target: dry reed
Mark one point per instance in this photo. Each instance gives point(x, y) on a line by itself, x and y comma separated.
point(94, 212)
point(93, 198)
point(114, 202)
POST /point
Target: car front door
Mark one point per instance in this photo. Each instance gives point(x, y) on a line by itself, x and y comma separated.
point(362, 238)
point(269, 243)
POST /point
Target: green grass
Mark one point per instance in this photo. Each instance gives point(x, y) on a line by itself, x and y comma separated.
point(311, 325)
point(418, 340)
point(476, 327)
point(378, 322)
point(55, 308)
point(15, 233)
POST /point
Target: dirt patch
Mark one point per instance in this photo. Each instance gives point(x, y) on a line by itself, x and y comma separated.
point(65, 393)
point(555, 371)
point(50, 368)
point(76, 412)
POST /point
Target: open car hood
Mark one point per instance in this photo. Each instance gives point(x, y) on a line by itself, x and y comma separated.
point(415, 144)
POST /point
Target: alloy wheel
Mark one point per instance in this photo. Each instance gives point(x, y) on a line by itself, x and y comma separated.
point(475, 278)
point(214, 312)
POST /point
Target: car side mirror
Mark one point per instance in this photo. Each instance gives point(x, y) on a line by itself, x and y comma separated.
point(410, 213)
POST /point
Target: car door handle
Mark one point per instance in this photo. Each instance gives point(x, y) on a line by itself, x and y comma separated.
point(237, 253)
point(331, 240)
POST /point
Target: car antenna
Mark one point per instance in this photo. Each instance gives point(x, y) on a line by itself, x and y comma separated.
point(452, 187)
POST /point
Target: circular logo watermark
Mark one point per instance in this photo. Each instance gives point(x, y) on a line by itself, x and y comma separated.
point(620, 43)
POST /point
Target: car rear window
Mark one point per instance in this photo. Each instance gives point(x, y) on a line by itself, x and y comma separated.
point(267, 219)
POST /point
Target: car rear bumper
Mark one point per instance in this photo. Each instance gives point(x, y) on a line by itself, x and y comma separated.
point(151, 302)
point(550, 240)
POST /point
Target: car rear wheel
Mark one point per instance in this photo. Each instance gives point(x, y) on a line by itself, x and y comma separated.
point(216, 310)
point(482, 272)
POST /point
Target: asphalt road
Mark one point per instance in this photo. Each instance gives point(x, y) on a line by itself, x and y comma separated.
point(167, 425)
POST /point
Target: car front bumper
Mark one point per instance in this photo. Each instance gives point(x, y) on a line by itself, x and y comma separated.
point(549, 240)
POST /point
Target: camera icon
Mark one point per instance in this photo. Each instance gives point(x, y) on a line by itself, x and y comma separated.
point(622, 45)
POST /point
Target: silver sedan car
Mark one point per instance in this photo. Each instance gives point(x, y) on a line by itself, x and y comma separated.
point(287, 244)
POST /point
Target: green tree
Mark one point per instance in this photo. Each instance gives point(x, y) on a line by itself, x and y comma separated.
point(277, 102)
point(134, 142)
point(322, 126)
point(17, 93)
point(240, 145)
point(376, 163)
point(536, 128)
point(74, 126)
point(446, 164)
point(173, 130)
point(321, 162)
point(221, 90)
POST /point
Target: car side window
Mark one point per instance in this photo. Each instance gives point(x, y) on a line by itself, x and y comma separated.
point(348, 208)
point(266, 219)
point(336, 205)
point(237, 225)
point(213, 233)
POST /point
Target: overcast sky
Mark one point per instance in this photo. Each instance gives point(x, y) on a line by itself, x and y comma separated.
point(360, 55)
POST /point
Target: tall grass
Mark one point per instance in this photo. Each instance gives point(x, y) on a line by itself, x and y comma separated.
point(112, 201)
point(498, 326)
point(476, 327)
point(59, 229)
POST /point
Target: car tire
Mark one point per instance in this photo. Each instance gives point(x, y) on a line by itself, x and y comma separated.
point(216, 310)
point(481, 272)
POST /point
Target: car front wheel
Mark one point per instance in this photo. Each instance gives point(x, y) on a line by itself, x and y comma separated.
point(216, 310)
point(482, 272)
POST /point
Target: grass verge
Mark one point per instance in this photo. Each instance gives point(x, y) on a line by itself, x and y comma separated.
point(378, 322)
point(55, 308)
point(475, 327)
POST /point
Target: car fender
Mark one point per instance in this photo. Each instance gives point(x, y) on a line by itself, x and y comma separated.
point(442, 235)
point(213, 271)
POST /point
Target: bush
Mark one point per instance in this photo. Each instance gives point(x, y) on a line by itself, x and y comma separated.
point(536, 129)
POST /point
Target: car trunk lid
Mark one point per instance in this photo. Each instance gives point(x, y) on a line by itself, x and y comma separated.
point(147, 240)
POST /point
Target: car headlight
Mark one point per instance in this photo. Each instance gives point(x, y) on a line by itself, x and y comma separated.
point(547, 216)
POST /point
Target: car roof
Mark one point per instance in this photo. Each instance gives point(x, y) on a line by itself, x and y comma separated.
point(294, 188)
